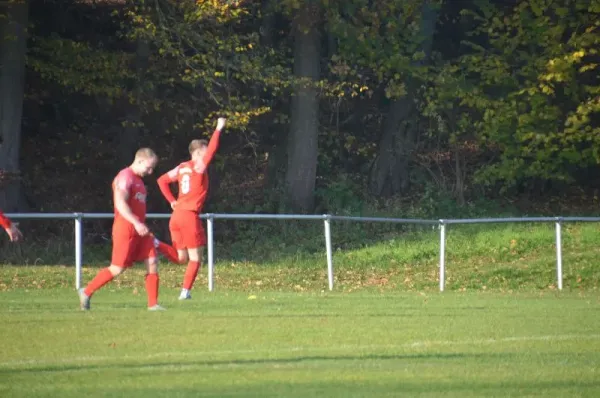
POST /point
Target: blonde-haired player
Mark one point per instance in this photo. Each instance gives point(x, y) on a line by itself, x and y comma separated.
point(131, 238)
point(187, 232)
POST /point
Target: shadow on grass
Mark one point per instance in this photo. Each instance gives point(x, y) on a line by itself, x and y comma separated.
point(259, 361)
point(402, 315)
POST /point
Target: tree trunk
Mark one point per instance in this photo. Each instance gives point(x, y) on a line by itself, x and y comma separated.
point(276, 164)
point(390, 173)
point(130, 137)
point(303, 140)
point(460, 166)
point(267, 22)
point(13, 46)
point(277, 153)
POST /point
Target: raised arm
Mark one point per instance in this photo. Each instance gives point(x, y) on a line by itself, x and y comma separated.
point(164, 183)
point(213, 144)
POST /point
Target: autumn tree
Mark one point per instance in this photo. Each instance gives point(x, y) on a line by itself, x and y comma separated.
point(529, 89)
point(385, 47)
point(390, 173)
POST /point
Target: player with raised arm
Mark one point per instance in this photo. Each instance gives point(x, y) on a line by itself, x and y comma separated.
point(11, 228)
point(187, 232)
point(131, 238)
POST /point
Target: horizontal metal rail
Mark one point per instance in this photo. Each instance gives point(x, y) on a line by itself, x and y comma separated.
point(383, 219)
point(326, 218)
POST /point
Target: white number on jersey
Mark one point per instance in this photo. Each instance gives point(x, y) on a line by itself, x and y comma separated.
point(185, 184)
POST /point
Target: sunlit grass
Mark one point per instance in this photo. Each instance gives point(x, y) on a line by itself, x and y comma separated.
point(480, 257)
point(269, 344)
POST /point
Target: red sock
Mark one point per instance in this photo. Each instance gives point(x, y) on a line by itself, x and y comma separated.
point(101, 279)
point(169, 252)
point(152, 289)
point(190, 274)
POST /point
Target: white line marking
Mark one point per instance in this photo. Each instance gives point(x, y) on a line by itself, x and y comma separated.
point(343, 347)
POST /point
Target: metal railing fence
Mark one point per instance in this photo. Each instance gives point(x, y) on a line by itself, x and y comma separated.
point(327, 219)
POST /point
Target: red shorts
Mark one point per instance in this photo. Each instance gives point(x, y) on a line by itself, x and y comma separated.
point(129, 247)
point(186, 230)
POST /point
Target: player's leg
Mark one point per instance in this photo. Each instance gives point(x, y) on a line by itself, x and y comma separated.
point(191, 272)
point(123, 248)
point(196, 239)
point(183, 255)
point(104, 276)
point(177, 227)
point(152, 284)
point(177, 256)
point(172, 254)
point(147, 254)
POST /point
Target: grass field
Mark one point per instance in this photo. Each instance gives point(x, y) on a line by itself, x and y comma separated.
point(300, 344)
point(271, 329)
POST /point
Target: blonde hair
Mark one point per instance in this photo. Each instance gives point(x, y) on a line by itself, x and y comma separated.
point(145, 153)
point(197, 144)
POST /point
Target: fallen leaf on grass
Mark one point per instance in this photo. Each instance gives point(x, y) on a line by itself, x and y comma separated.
point(377, 282)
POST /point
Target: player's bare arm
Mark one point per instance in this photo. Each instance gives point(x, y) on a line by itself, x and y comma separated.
point(120, 198)
point(14, 233)
point(164, 183)
point(12, 229)
point(213, 144)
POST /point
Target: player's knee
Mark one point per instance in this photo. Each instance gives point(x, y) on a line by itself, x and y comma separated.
point(115, 270)
point(152, 266)
point(194, 254)
point(183, 256)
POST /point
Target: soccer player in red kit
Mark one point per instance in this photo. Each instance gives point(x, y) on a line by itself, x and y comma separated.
point(10, 227)
point(131, 238)
point(187, 232)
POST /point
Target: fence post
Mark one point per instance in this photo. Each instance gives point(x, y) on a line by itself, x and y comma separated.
point(442, 254)
point(328, 249)
point(210, 248)
point(559, 275)
point(78, 248)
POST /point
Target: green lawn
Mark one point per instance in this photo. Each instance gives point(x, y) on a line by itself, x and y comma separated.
point(271, 328)
point(300, 344)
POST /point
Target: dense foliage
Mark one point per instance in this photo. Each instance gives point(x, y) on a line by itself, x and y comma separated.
point(388, 97)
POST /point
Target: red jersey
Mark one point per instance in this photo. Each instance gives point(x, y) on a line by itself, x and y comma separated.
point(4, 221)
point(192, 179)
point(131, 183)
